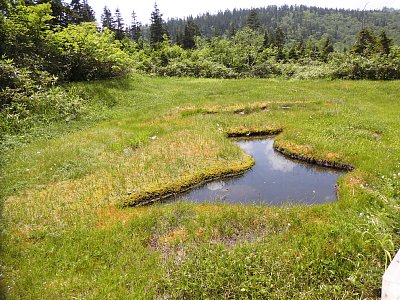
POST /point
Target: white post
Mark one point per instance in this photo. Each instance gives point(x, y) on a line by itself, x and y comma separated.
point(391, 280)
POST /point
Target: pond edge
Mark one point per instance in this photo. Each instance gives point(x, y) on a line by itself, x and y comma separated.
point(153, 194)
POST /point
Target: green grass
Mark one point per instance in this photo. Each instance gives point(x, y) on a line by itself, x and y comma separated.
point(65, 235)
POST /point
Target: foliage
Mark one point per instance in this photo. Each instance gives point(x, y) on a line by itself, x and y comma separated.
point(107, 20)
point(298, 22)
point(27, 99)
point(157, 29)
point(253, 22)
point(189, 34)
point(20, 83)
point(84, 53)
point(23, 34)
point(245, 55)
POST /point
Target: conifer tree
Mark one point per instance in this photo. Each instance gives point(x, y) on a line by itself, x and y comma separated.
point(326, 49)
point(80, 12)
point(156, 27)
point(59, 12)
point(107, 20)
point(135, 30)
point(253, 20)
point(233, 29)
point(74, 9)
point(190, 32)
point(267, 39)
point(119, 25)
point(87, 12)
point(366, 43)
point(293, 54)
point(384, 43)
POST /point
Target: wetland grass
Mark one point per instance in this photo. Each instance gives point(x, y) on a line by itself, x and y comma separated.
point(64, 235)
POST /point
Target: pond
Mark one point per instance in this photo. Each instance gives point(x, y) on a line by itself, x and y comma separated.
point(273, 180)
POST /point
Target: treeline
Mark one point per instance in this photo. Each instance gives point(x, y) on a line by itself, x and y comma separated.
point(297, 23)
point(251, 53)
point(45, 43)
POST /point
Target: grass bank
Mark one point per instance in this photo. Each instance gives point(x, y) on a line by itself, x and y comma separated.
point(65, 234)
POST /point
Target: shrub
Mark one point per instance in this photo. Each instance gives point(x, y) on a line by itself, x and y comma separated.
point(18, 83)
point(85, 54)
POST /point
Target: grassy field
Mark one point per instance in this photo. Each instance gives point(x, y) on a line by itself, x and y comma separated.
point(68, 231)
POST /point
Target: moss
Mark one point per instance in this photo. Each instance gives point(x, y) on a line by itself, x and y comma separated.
point(156, 192)
point(245, 132)
point(305, 153)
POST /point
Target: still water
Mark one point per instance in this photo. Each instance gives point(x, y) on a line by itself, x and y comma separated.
point(273, 180)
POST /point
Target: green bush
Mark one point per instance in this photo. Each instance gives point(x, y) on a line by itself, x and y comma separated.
point(377, 67)
point(85, 54)
point(42, 107)
point(17, 84)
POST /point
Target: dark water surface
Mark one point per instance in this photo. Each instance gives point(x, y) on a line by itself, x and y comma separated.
point(274, 180)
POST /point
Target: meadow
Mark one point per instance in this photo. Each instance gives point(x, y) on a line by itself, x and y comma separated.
point(69, 229)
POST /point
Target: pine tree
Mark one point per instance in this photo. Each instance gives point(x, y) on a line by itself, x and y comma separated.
point(384, 43)
point(267, 40)
point(190, 32)
point(135, 30)
point(156, 27)
point(74, 9)
point(366, 43)
point(87, 12)
point(253, 21)
point(293, 54)
point(233, 29)
point(119, 25)
point(326, 49)
point(279, 38)
point(107, 20)
point(59, 12)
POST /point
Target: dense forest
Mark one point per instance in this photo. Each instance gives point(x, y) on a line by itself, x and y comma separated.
point(298, 23)
point(47, 43)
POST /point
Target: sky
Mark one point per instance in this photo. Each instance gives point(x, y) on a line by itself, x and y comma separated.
point(183, 8)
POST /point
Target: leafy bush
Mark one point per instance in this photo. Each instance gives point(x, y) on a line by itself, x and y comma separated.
point(26, 99)
point(54, 105)
point(18, 83)
point(84, 53)
point(377, 67)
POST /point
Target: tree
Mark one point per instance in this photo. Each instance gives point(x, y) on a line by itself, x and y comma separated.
point(248, 45)
point(279, 38)
point(75, 7)
point(107, 20)
point(326, 48)
point(267, 39)
point(157, 30)
point(81, 12)
point(253, 21)
point(135, 31)
point(87, 12)
point(119, 25)
point(190, 32)
point(233, 29)
point(59, 12)
point(366, 43)
point(4, 7)
point(384, 43)
point(25, 31)
point(312, 50)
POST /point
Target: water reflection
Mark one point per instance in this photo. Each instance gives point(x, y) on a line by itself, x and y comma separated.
point(274, 180)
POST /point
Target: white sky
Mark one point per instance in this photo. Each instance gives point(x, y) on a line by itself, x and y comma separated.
point(184, 8)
